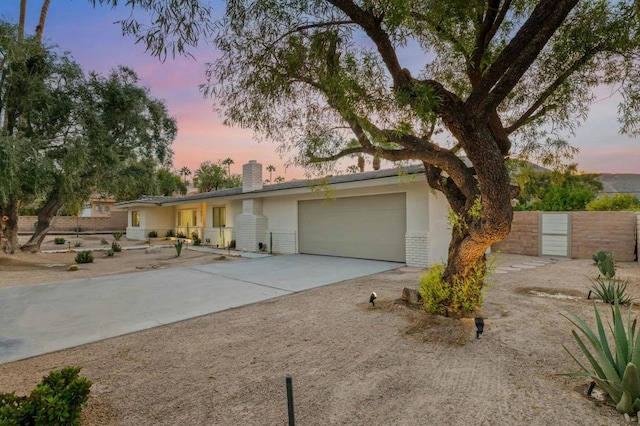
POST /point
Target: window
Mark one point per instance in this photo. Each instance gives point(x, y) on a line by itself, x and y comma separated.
point(219, 217)
point(135, 218)
point(187, 218)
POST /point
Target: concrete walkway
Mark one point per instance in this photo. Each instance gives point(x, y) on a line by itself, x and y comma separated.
point(44, 318)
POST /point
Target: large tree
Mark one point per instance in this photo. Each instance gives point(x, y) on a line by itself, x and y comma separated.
point(499, 77)
point(66, 134)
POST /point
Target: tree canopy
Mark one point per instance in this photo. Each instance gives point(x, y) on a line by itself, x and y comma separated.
point(214, 176)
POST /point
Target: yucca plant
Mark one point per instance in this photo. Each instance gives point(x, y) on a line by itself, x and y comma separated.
point(611, 289)
point(117, 235)
point(615, 372)
point(178, 246)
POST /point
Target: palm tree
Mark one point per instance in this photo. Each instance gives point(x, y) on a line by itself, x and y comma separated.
point(228, 162)
point(184, 172)
point(279, 179)
point(270, 169)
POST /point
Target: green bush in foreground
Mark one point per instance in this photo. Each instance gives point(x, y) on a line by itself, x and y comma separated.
point(84, 257)
point(56, 401)
point(616, 372)
point(461, 297)
point(59, 240)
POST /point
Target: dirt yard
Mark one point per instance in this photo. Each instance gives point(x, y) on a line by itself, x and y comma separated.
point(352, 364)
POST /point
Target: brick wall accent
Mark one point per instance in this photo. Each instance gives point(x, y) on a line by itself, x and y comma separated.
point(417, 249)
point(523, 238)
point(609, 231)
point(590, 233)
point(116, 222)
point(282, 241)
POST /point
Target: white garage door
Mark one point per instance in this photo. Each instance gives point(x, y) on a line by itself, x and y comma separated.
point(368, 227)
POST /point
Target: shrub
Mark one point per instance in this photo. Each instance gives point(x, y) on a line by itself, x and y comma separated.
point(615, 372)
point(153, 234)
point(178, 246)
point(84, 257)
point(460, 297)
point(610, 290)
point(616, 202)
point(115, 246)
point(78, 243)
point(59, 240)
point(181, 234)
point(57, 400)
point(232, 244)
point(109, 253)
point(169, 234)
point(117, 235)
point(196, 240)
point(606, 264)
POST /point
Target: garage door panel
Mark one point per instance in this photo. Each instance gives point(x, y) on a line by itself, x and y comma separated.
point(368, 227)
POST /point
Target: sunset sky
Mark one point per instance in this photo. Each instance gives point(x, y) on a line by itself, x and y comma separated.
point(96, 43)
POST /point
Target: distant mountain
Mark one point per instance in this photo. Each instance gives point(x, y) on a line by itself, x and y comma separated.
point(620, 183)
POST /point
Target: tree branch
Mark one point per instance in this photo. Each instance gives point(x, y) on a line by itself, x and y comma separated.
point(314, 25)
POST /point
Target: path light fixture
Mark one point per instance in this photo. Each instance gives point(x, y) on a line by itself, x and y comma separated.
point(372, 298)
point(479, 326)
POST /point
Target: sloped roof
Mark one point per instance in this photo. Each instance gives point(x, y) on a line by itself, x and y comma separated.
point(620, 183)
point(355, 177)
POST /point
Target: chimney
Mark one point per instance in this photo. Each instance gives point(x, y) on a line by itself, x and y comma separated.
point(251, 176)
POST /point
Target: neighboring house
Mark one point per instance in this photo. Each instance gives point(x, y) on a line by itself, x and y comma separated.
point(620, 183)
point(384, 215)
point(98, 206)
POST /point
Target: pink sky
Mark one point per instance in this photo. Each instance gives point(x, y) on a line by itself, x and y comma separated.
point(97, 44)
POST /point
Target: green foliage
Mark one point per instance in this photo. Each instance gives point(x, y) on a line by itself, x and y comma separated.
point(169, 234)
point(214, 176)
point(564, 190)
point(617, 202)
point(56, 401)
point(109, 253)
point(178, 246)
point(153, 234)
point(84, 257)
point(606, 264)
point(181, 234)
point(232, 244)
point(610, 290)
point(116, 247)
point(117, 235)
point(59, 240)
point(78, 243)
point(196, 240)
point(170, 183)
point(461, 296)
point(616, 372)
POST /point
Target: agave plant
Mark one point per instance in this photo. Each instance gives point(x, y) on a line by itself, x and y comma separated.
point(615, 372)
point(611, 289)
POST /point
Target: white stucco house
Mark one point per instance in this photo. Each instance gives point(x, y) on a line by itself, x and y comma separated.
point(388, 215)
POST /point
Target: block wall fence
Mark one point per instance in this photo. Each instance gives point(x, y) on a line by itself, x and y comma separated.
point(589, 233)
point(116, 222)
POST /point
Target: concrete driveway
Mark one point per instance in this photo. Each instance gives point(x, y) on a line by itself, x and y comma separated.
point(44, 318)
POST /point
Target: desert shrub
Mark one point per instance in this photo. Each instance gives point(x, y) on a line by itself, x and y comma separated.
point(109, 253)
point(115, 246)
point(610, 290)
point(59, 240)
point(181, 234)
point(616, 202)
point(57, 400)
point(178, 246)
point(196, 240)
point(232, 244)
point(78, 243)
point(460, 297)
point(117, 235)
point(617, 371)
point(84, 257)
point(152, 234)
point(169, 234)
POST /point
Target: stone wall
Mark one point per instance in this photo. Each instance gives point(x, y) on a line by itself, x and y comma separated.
point(417, 249)
point(523, 238)
point(590, 233)
point(116, 222)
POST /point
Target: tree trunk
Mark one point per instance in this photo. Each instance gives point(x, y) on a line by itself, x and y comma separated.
point(43, 225)
point(9, 225)
point(23, 12)
point(43, 19)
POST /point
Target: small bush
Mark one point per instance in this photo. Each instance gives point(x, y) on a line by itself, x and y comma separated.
point(460, 297)
point(232, 244)
point(181, 234)
point(109, 253)
point(617, 202)
point(610, 290)
point(117, 235)
point(115, 246)
point(84, 257)
point(59, 240)
point(178, 246)
point(196, 240)
point(152, 234)
point(78, 243)
point(56, 401)
point(169, 234)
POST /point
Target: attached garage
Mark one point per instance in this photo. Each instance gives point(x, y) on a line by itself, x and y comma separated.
point(366, 227)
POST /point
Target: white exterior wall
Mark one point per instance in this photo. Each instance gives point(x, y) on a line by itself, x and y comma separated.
point(282, 234)
point(417, 236)
point(439, 228)
point(159, 219)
